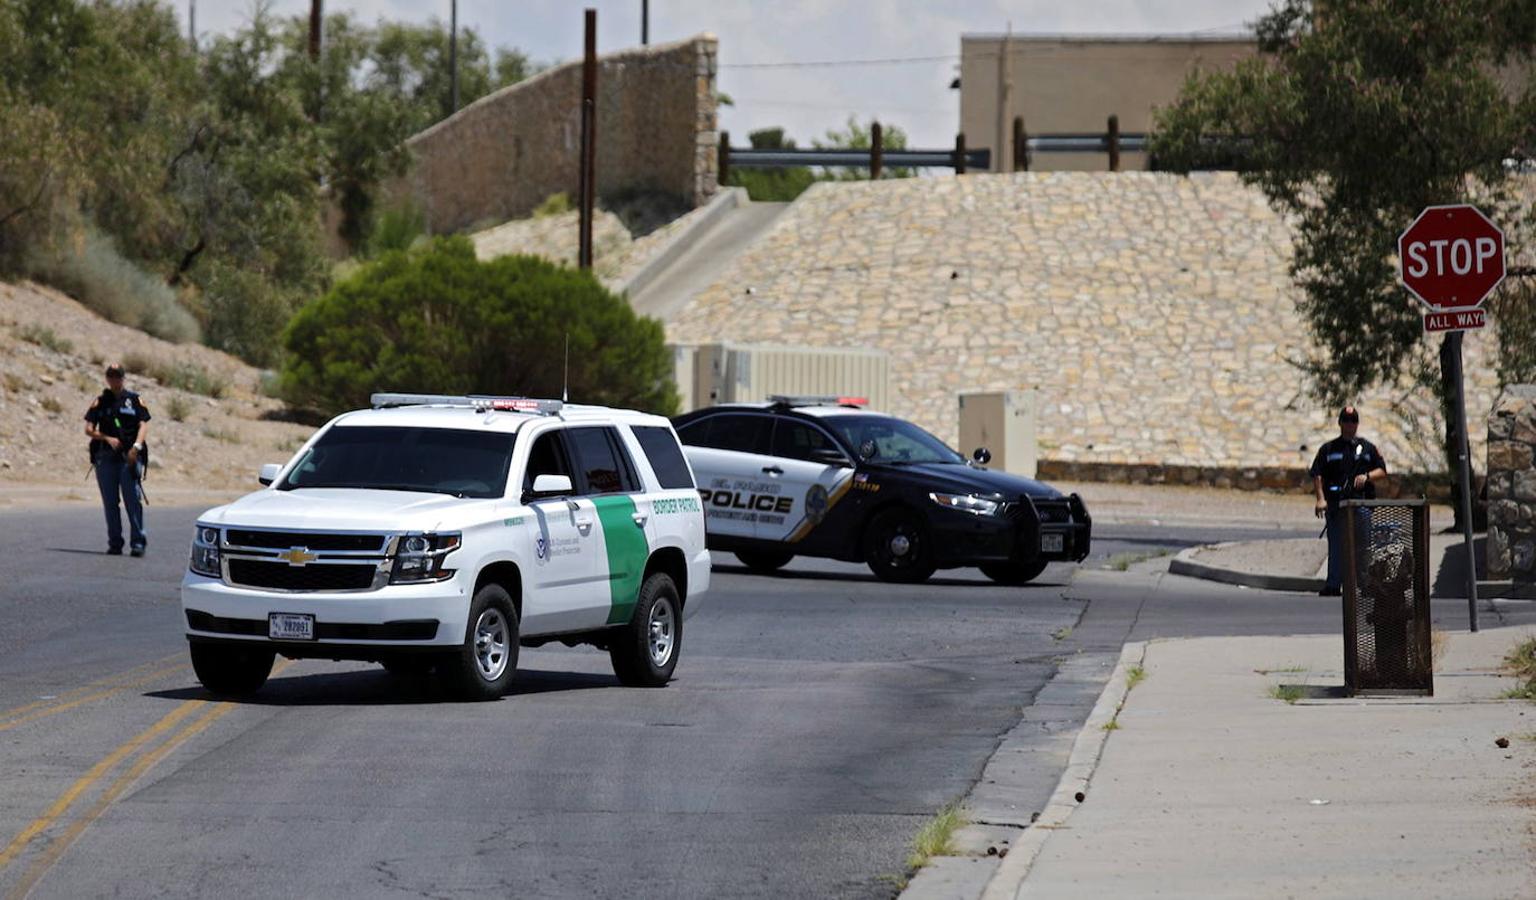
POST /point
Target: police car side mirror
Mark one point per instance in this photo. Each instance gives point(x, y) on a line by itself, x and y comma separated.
point(982, 456)
point(269, 473)
point(869, 450)
point(549, 486)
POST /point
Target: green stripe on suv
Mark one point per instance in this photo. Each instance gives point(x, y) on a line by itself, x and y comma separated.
point(627, 553)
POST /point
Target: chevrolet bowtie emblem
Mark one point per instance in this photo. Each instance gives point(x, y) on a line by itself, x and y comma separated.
point(297, 556)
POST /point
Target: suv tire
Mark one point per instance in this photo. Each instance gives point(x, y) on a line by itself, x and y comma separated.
point(1013, 573)
point(764, 562)
point(482, 668)
point(897, 549)
point(644, 652)
point(231, 671)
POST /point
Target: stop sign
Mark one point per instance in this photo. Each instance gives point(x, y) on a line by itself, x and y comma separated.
point(1451, 257)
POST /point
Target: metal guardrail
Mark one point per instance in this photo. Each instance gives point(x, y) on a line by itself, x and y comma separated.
point(751, 158)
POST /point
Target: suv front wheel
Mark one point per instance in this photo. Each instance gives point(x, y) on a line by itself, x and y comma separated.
point(482, 668)
point(231, 671)
point(644, 652)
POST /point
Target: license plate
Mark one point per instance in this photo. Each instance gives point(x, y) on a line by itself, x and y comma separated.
point(290, 627)
point(1052, 543)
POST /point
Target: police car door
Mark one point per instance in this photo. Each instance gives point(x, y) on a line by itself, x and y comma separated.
point(560, 530)
point(737, 478)
point(815, 473)
point(606, 476)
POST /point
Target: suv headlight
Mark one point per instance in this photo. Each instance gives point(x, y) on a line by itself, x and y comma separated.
point(420, 557)
point(205, 551)
point(981, 506)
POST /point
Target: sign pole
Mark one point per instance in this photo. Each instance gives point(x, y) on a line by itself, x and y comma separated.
point(1465, 459)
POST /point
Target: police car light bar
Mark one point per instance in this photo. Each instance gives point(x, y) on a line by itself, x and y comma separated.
point(470, 401)
point(816, 400)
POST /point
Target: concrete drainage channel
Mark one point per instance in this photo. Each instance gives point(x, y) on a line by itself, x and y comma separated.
point(1014, 807)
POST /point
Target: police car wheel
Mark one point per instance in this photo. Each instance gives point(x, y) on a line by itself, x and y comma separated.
point(231, 671)
point(896, 547)
point(764, 561)
point(645, 651)
point(1012, 572)
point(482, 668)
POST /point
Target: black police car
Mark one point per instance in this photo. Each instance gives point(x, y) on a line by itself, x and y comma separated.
point(820, 476)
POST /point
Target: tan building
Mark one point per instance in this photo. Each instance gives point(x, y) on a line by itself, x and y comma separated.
point(1071, 84)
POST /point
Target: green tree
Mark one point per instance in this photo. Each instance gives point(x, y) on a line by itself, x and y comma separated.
point(858, 136)
point(437, 319)
point(1355, 115)
point(772, 185)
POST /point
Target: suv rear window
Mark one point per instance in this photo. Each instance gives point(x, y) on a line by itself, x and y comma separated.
point(666, 456)
point(742, 432)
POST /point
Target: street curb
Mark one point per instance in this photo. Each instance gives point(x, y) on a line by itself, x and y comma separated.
point(723, 202)
point(1184, 564)
point(1086, 750)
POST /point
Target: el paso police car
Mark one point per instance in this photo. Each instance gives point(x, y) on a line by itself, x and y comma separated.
point(441, 533)
point(819, 476)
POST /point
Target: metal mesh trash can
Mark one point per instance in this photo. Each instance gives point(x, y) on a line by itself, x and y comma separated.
point(1386, 597)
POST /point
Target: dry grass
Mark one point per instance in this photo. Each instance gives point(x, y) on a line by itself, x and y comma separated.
point(178, 408)
point(1439, 644)
point(1520, 662)
point(52, 405)
point(33, 333)
point(183, 376)
point(935, 838)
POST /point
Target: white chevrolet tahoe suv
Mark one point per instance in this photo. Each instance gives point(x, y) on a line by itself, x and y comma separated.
point(442, 533)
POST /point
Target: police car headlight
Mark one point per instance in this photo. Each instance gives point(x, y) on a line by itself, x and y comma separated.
point(422, 556)
point(970, 503)
point(205, 552)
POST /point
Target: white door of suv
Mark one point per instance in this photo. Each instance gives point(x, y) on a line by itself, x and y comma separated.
point(566, 545)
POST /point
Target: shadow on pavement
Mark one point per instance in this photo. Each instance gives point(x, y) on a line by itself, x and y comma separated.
point(379, 688)
point(869, 578)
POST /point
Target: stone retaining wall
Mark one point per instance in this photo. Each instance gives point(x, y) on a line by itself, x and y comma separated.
point(1512, 486)
point(502, 155)
point(1153, 313)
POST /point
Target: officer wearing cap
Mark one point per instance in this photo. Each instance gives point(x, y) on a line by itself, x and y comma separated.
point(1346, 468)
point(117, 424)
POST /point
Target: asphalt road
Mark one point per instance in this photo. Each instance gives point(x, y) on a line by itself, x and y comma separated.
point(817, 720)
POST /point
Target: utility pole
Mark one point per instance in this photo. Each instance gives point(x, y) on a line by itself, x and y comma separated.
point(1002, 160)
point(588, 140)
point(192, 24)
point(645, 22)
point(316, 22)
point(453, 57)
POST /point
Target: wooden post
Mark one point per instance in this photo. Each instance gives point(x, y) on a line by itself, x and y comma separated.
point(876, 150)
point(645, 22)
point(960, 153)
point(1114, 143)
point(453, 57)
point(316, 22)
point(588, 140)
point(1020, 145)
point(723, 177)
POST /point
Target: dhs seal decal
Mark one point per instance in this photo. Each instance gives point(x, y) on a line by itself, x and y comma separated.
point(816, 504)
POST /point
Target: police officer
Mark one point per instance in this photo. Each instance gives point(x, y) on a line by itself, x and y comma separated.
point(118, 424)
point(1346, 468)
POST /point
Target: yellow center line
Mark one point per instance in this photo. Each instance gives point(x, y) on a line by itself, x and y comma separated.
point(84, 782)
point(89, 686)
point(89, 698)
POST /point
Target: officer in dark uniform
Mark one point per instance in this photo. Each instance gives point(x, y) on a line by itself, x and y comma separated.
point(118, 424)
point(1346, 468)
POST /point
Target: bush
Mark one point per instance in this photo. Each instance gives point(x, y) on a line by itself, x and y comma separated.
point(88, 267)
point(1520, 662)
point(183, 376)
point(33, 333)
point(245, 313)
point(553, 205)
point(396, 229)
point(439, 320)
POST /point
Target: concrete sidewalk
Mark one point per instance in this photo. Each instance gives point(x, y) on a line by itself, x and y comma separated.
point(1211, 787)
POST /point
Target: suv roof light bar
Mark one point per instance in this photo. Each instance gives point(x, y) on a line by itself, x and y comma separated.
point(482, 402)
point(793, 400)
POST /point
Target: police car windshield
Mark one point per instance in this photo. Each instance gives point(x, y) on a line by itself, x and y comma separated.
point(388, 458)
point(895, 441)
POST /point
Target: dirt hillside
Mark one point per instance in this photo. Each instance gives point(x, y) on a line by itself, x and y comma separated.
point(210, 431)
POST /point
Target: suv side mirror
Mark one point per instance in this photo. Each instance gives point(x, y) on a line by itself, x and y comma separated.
point(982, 456)
point(549, 486)
point(829, 456)
point(269, 473)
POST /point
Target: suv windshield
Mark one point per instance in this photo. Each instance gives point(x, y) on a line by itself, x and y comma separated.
point(896, 441)
point(388, 458)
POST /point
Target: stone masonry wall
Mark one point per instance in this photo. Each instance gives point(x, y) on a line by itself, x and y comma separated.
point(1512, 486)
point(502, 155)
point(1153, 314)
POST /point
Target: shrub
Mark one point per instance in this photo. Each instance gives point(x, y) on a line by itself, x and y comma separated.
point(245, 313)
point(185, 376)
point(553, 205)
point(439, 320)
point(33, 333)
point(396, 229)
point(89, 268)
point(178, 408)
point(1520, 662)
point(52, 405)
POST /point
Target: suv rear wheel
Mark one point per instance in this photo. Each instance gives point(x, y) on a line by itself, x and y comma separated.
point(644, 652)
point(764, 561)
point(231, 671)
point(482, 668)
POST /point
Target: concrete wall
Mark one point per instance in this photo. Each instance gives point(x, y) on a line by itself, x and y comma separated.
point(1512, 486)
point(502, 155)
point(1074, 84)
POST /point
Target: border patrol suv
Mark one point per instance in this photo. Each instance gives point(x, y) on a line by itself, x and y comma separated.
point(820, 476)
point(444, 532)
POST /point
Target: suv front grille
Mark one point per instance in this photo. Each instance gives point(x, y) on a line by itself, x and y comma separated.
point(282, 540)
point(283, 577)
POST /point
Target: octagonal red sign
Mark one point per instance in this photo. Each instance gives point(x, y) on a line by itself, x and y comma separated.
point(1451, 257)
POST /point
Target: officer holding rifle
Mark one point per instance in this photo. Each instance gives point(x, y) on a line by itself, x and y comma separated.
point(1346, 468)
